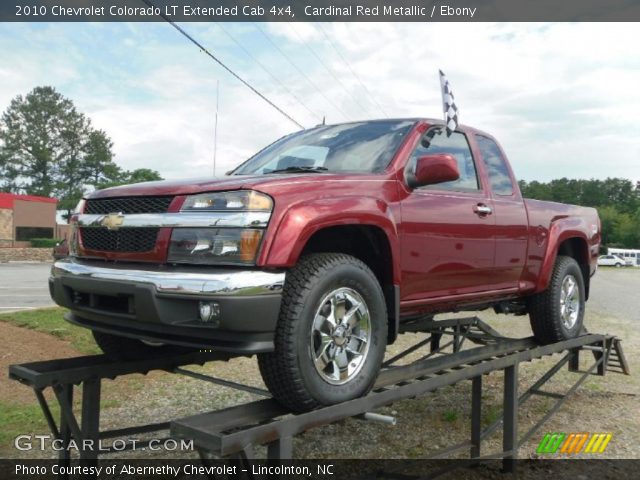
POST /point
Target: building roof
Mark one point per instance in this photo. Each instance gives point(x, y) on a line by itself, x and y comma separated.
point(7, 199)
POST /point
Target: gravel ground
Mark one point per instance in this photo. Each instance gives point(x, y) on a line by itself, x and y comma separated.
point(441, 418)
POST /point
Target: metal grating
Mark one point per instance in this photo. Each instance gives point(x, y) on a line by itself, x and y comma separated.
point(128, 205)
point(122, 240)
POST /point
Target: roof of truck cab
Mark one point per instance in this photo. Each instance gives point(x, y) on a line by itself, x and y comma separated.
point(431, 121)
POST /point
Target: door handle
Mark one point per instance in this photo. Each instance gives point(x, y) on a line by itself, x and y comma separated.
point(482, 209)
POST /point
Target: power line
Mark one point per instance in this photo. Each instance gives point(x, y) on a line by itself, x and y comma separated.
point(324, 65)
point(219, 62)
point(300, 71)
point(266, 70)
point(357, 77)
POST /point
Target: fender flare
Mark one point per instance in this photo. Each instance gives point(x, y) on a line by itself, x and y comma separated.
point(300, 221)
point(558, 234)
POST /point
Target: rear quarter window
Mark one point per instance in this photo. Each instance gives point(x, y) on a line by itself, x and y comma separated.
point(497, 168)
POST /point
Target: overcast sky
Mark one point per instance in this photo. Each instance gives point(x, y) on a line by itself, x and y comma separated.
point(563, 99)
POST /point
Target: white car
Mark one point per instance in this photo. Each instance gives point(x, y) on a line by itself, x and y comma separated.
point(612, 261)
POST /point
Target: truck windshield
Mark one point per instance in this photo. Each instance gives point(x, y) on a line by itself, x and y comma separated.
point(365, 147)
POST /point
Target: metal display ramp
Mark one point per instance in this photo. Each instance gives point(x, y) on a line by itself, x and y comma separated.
point(437, 361)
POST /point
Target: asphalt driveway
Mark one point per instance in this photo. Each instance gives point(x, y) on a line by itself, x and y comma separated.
point(24, 286)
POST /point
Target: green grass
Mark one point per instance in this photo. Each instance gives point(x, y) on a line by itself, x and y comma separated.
point(22, 420)
point(450, 416)
point(51, 321)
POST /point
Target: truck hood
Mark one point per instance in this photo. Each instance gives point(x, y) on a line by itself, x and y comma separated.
point(198, 185)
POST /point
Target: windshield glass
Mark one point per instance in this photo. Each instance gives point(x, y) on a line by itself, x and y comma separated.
point(351, 147)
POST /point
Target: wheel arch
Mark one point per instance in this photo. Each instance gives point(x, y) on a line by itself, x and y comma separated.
point(363, 227)
point(571, 244)
point(370, 244)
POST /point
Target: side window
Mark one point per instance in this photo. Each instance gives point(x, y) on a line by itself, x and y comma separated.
point(435, 141)
point(497, 168)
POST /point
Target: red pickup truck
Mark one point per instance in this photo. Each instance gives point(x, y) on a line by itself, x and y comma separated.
point(314, 252)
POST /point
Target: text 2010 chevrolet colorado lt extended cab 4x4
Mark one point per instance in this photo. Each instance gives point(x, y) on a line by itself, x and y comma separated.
point(314, 252)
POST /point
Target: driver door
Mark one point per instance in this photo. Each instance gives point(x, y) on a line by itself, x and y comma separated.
point(447, 241)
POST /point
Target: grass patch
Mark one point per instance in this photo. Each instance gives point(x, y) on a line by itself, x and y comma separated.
point(20, 419)
point(450, 416)
point(490, 414)
point(51, 322)
point(23, 420)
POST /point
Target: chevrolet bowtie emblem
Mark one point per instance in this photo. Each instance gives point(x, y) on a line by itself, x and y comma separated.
point(113, 221)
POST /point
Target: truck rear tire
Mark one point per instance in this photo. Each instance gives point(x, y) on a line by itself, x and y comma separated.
point(124, 348)
point(557, 313)
point(331, 334)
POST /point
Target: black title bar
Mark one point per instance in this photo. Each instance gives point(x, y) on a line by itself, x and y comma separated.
point(318, 10)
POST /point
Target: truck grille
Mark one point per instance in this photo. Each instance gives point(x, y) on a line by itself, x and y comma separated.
point(122, 240)
point(128, 205)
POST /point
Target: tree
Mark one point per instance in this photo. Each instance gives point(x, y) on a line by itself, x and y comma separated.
point(617, 201)
point(40, 133)
point(142, 175)
point(98, 166)
point(128, 177)
point(48, 148)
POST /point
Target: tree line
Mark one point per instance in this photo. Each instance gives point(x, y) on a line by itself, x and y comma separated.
point(49, 148)
point(617, 201)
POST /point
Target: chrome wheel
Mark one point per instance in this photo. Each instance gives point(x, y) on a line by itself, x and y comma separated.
point(569, 301)
point(340, 336)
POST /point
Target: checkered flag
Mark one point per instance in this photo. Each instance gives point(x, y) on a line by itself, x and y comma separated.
point(448, 105)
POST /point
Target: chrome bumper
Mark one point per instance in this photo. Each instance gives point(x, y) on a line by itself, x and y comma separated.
point(177, 280)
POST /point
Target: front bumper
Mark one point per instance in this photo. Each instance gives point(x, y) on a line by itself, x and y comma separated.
point(161, 303)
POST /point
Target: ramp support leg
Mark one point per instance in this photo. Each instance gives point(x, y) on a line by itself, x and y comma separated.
point(574, 360)
point(90, 420)
point(476, 415)
point(510, 427)
point(64, 456)
point(281, 449)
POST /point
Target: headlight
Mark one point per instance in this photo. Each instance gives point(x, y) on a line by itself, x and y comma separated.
point(240, 200)
point(213, 246)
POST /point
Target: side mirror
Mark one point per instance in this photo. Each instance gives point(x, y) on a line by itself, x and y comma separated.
point(433, 169)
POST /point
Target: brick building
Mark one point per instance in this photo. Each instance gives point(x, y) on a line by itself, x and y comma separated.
point(23, 217)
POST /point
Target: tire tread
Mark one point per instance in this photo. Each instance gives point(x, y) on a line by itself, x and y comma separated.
point(545, 306)
point(279, 369)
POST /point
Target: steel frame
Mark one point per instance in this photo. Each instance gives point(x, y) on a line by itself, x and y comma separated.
point(234, 431)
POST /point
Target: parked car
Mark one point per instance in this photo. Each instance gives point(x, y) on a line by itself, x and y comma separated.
point(61, 249)
point(315, 252)
point(613, 261)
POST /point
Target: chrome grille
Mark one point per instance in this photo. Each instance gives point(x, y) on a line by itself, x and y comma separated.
point(121, 240)
point(128, 205)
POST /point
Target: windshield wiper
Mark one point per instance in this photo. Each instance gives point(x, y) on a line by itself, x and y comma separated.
point(300, 169)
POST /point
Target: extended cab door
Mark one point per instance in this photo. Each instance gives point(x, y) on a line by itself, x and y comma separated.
point(509, 212)
point(447, 230)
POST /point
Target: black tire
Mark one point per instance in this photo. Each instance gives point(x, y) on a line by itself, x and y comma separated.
point(618, 265)
point(289, 371)
point(545, 308)
point(124, 348)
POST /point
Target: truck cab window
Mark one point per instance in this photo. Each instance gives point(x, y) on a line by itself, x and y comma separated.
point(497, 169)
point(436, 141)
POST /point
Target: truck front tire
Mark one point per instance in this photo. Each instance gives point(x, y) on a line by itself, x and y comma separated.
point(331, 333)
point(557, 313)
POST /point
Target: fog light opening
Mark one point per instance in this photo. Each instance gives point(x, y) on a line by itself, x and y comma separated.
point(209, 312)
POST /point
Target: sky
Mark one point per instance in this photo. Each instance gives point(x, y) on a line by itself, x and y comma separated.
point(562, 99)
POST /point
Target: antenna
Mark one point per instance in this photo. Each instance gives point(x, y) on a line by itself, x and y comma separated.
point(215, 128)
